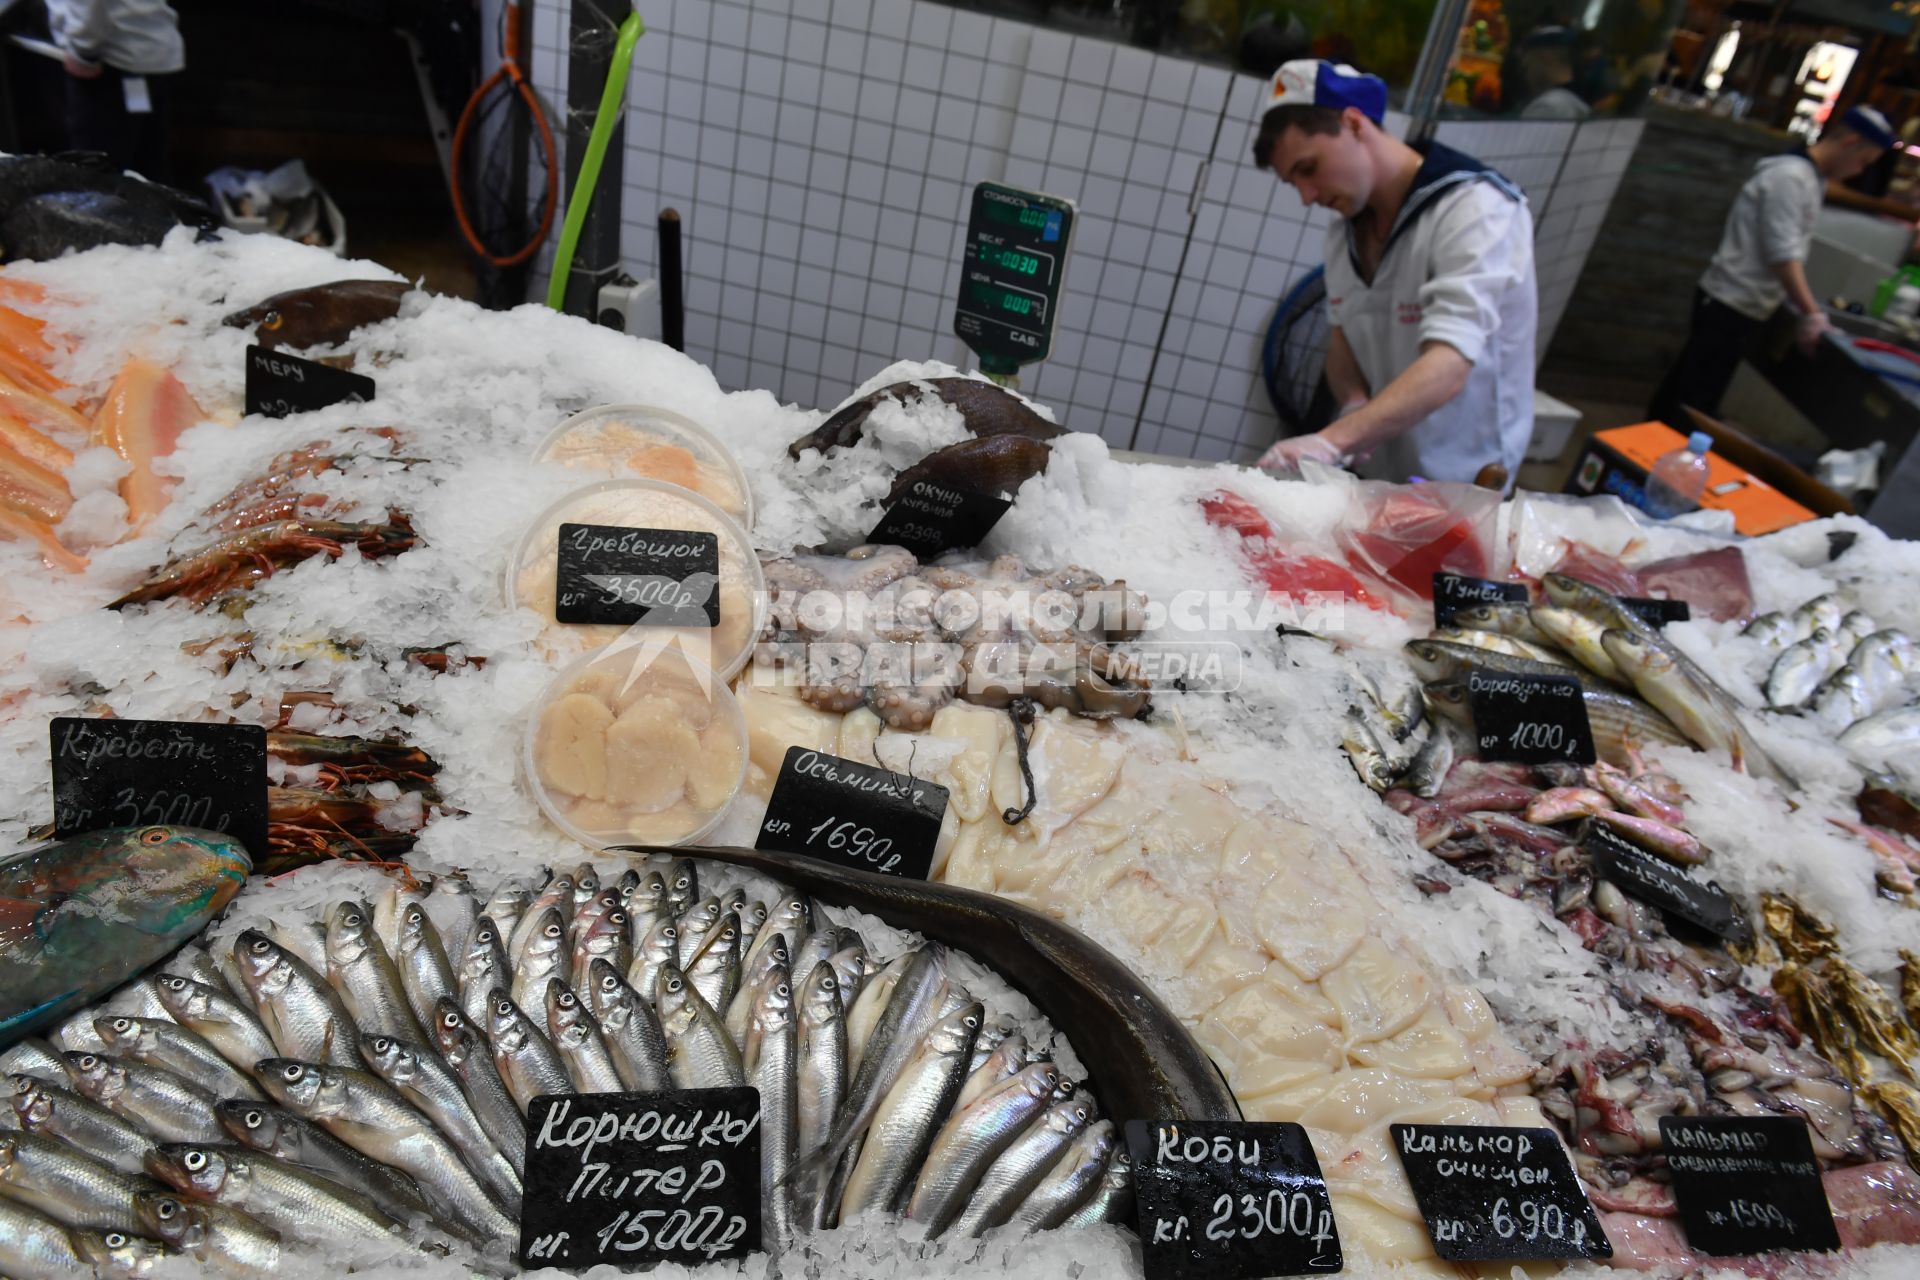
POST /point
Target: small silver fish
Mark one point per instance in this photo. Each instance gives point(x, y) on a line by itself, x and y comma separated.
point(164, 1044)
point(425, 974)
point(772, 1068)
point(281, 1196)
point(822, 1071)
point(464, 1048)
point(275, 1131)
point(1798, 671)
point(53, 1112)
point(740, 1009)
point(1074, 1177)
point(55, 1179)
point(577, 1037)
point(683, 886)
point(555, 895)
point(604, 939)
point(1774, 630)
point(454, 909)
point(482, 968)
point(695, 924)
point(631, 1028)
point(225, 1240)
point(910, 1114)
point(544, 958)
point(699, 1053)
point(362, 972)
point(644, 907)
point(660, 948)
point(1020, 1168)
point(1112, 1200)
point(505, 907)
point(34, 1246)
point(979, 1132)
point(714, 969)
point(526, 1059)
point(214, 1015)
point(169, 1106)
point(426, 1081)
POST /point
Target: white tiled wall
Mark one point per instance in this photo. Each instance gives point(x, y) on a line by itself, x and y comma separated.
point(822, 155)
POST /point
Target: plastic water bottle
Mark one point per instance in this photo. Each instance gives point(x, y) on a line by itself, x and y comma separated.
point(1679, 478)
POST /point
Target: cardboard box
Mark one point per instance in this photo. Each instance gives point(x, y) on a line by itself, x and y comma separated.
point(1618, 462)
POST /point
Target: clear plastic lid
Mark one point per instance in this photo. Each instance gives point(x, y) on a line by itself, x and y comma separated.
point(646, 443)
point(533, 574)
point(635, 744)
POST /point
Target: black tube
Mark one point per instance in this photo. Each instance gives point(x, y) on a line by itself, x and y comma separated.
point(673, 307)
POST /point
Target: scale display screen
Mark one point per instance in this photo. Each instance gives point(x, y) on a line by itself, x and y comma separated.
point(1010, 274)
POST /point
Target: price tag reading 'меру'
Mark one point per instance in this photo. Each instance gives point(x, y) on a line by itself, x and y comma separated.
point(279, 385)
point(854, 815)
point(1453, 592)
point(1633, 870)
point(1220, 1200)
point(1529, 719)
point(641, 1178)
point(1490, 1192)
point(929, 519)
point(609, 574)
point(148, 773)
point(1747, 1184)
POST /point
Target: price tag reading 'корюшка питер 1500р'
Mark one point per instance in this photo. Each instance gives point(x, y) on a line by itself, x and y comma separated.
point(1494, 1192)
point(149, 773)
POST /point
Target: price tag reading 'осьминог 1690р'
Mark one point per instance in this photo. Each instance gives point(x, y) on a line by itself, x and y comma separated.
point(854, 815)
point(641, 1178)
point(652, 577)
point(1219, 1200)
point(1529, 719)
point(149, 773)
point(1747, 1184)
point(1453, 592)
point(279, 385)
point(1491, 1192)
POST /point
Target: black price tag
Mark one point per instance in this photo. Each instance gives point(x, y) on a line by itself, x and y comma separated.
point(1746, 1184)
point(640, 1178)
point(1453, 592)
point(1659, 883)
point(933, 518)
point(1489, 1192)
point(653, 577)
point(280, 385)
point(1218, 1200)
point(853, 814)
point(150, 773)
point(1529, 719)
point(1658, 613)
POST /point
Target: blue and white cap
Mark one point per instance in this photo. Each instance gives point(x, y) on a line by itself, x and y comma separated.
point(1315, 82)
point(1871, 125)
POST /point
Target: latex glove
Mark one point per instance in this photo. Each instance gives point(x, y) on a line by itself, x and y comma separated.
point(1286, 455)
point(1807, 332)
point(80, 70)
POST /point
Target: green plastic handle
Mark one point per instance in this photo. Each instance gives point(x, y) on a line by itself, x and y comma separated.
point(581, 197)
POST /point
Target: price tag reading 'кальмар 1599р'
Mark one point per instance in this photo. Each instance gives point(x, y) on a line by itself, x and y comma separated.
point(641, 1178)
point(845, 812)
point(1747, 1184)
point(1453, 592)
point(279, 385)
point(652, 577)
point(148, 773)
point(1490, 1192)
point(1218, 1200)
point(1529, 719)
point(930, 519)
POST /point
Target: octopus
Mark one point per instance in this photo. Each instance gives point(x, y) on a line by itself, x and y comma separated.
point(878, 629)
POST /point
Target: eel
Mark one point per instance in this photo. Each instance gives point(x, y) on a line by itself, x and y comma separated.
point(989, 411)
point(321, 315)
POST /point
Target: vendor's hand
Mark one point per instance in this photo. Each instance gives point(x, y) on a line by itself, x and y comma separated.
point(1286, 455)
point(80, 70)
point(1807, 332)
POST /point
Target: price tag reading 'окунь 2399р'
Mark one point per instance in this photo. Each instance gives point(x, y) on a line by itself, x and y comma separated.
point(930, 519)
point(1490, 1192)
point(854, 815)
point(641, 1178)
point(653, 577)
point(1747, 1184)
point(1529, 719)
point(1219, 1200)
point(148, 773)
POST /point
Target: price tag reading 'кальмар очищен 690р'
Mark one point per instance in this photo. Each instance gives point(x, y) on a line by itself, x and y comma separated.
point(1494, 1192)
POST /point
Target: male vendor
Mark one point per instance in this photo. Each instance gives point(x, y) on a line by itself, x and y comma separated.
point(1429, 286)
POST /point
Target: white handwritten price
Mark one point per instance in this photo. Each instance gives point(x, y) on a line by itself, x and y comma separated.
point(860, 842)
point(158, 809)
point(1537, 1221)
point(1279, 1213)
point(1752, 1213)
point(1538, 737)
point(690, 1231)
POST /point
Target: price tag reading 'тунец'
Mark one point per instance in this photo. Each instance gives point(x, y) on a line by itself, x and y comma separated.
point(1453, 592)
point(1490, 1192)
point(855, 815)
point(147, 773)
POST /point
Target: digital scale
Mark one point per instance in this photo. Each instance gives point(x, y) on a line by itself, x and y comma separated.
point(1011, 271)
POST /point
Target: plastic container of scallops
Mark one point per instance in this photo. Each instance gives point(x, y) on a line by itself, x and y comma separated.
point(648, 506)
point(636, 744)
point(639, 441)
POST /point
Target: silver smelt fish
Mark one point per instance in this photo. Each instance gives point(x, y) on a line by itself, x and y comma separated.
point(1074, 1178)
point(35, 1058)
point(863, 1014)
point(218, 1018)
point(362, 971)
point(822, 1074)
point(625, 886)
point(695, 924)
point(790, 919)
point(740, 1009)
point(1112, 1200)
point(699, 1053)
point(683, 885)
point(303, 1015)
point(118, 1254)
point(978, 1134)
point(195, 963)
point(910, 1115)
point(225, 1240)
point(36, 1247)
point(282, 1197)
point(586, 886)
point(851, 967)
point(577, 1036)
point(169, 1106)
point(605, 939)
point(588, 913)
point(79, 1121)
point(644, 907)
point(734, 901)
point(714, 969)
point(555, 895)
point(815, 948)
point(506, 906)
point(363, 1112)
point(454, 909)
point(771, 1068)
point(631, 1028)
point(753, 918)
point(76, 1035)
point(306, 939)
point(277, 1132)
point(526, 1059)
point(482, 968)
point(544, 958)
point(391, 905)
point(991, 1037)
point(430, 1085)
point(464, 1048)
point(165, 1044)
point(65, 1184)
point(660, 948)
point(425, 974)
point(1011, 1178)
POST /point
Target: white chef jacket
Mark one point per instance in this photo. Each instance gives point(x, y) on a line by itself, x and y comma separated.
point(1458, 269)
point(137, 37)
point(1772, 222)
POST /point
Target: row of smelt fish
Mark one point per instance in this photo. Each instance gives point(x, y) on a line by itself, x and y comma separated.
point(366, 1078)
point(1840, 663)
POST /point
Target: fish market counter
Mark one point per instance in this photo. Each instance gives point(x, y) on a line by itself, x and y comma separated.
point(483, 796)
